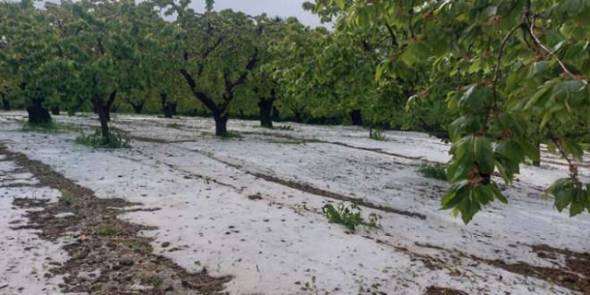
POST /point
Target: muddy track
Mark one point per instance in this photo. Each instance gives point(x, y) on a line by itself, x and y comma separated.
point(573, 275)
point(107, 255)
point(432, 290)
point(296, 185)
point(373, 150)
point(284, 136)
point(317, 191)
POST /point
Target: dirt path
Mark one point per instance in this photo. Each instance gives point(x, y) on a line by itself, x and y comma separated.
point(295, 184)
point(107, 255)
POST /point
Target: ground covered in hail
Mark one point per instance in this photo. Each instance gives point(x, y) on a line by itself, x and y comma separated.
point(183, 212)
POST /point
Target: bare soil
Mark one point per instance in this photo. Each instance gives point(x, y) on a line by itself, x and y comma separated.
point(107, 255)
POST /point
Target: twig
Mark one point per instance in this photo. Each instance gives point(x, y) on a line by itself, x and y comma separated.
point(549, 52)
point(572, 166)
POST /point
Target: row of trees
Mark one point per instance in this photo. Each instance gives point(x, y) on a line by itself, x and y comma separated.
point(162, 55)
point(498, 77)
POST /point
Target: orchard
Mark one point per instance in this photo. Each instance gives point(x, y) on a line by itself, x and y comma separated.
point(204, 145)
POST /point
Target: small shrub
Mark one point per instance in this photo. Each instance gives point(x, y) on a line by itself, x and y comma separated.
point(115, 140)
point(67, 199)
point(105, 229)
point(349, 216)
point(376, 134)
point(437, 171)
point(374, 221)
point(310, 287)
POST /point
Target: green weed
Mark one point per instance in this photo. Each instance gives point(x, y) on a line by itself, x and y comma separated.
point(231, 135)
point(349, 216)
point(436, 171)
point(105, 229)
point(310, 287)
point(67, 199)
point(115, 140)
point(376, 134)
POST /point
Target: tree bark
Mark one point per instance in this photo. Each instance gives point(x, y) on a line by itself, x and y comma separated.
point(356, 117)
point(5, 103)
point(104, 117)
point(37, 113)
point(168, 108)
point(103, 109)
point(266, 109)
point(220, 124)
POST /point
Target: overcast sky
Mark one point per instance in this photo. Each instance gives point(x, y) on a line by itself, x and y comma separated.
point(282, 8)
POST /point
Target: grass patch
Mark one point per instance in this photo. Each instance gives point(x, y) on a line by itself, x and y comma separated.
point(350, 216)
point(231, 135)
point(376, 134)
point(115, 140)
point(436, 171)
point(105, 229)
point(49, 127)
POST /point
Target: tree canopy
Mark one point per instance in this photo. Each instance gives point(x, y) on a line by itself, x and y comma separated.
point(514, 71)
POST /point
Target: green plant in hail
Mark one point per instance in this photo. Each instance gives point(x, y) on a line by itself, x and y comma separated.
point(350, 216)
point(116, 139)
point(436, 171)
point(376, 134)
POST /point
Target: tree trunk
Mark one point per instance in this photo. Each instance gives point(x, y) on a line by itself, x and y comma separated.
point(138, 107)
point(168, 108)
point(5, 103)
point(112, 109)
point(55, 110)
point(37, 113)
point(265, 106)
point(220, 124)
point(103, 109)
point(356, 117)
point(104, 117)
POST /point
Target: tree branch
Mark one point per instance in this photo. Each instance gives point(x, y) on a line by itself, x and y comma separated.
point(205, 55)
point(201, 96)
point(231, 85)
point(112, 98)
point(549, 52)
